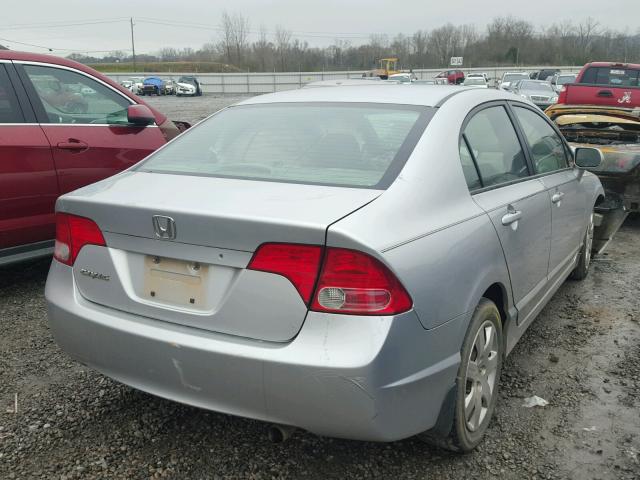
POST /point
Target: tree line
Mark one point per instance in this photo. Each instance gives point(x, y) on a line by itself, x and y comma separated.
point(504, 41)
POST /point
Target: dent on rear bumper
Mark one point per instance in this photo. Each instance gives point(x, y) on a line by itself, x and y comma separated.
point(366, 378)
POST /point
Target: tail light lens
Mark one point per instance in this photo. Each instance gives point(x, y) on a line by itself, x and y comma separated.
point(353, 282)
point(298, 263)
point(350, 282)
point(73, 233)
point(562, 97)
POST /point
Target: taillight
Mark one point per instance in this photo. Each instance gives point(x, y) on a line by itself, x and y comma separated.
point(562, 97)
point(355, 283)
point(350, 282)
point(73, 233)
point(298, 263)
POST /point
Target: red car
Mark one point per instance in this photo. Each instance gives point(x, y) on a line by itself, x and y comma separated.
point(62, 126)
point(604, 83)
point(454, 77)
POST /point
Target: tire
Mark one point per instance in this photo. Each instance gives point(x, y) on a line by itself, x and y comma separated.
point(479, 372)
point(584, 260)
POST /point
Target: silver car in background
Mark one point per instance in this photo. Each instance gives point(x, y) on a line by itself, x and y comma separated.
point(355, 261)
point(561, 79)
point(538, 92)
point(510, 78)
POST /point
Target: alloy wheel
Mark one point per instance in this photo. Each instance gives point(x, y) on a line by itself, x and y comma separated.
point(588, 245)
point(480, 377)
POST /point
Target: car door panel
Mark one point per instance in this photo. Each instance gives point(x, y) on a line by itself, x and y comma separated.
point(516, 203)
point(549, 158)
point(103, 150)
point(567, 201)
point(521, 215)
point(86, 124)
point(28, 184)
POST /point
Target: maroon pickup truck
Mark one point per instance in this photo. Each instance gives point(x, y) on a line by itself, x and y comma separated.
point(603, 83)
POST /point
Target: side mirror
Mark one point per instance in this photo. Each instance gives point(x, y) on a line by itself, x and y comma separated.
point(587, 157)
point(140, 115)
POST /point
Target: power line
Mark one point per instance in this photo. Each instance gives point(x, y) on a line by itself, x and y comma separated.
point(52, 49)
point(32, 26)
point(218, 28)
point(157, 21)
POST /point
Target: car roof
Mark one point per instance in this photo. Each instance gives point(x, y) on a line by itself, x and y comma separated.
point(391, 93)
point(613, 64)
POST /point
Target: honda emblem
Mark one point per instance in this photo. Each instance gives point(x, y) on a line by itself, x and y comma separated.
point(165, 227)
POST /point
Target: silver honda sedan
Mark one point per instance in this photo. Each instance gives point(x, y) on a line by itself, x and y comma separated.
point(356, 261)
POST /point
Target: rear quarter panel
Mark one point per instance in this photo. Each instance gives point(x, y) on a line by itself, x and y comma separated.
point(427, 227)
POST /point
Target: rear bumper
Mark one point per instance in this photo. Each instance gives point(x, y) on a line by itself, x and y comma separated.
point(365, 378)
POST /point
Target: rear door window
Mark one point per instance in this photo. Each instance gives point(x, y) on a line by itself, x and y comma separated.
point(495, 147)
point(70, 97)
point(611, 76)
point(546, 146)
point(10, 111)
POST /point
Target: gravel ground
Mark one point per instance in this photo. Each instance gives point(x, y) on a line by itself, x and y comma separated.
point(191, 109)
point(582, 354)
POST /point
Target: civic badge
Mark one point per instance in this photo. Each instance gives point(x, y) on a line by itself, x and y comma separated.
point(164, 227)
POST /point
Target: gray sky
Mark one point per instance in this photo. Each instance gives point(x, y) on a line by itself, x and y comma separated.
point(191, 23)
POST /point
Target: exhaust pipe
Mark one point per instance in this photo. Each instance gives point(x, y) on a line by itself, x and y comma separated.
point(279, 433)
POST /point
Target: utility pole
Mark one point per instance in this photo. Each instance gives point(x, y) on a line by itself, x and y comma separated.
point(133, 47)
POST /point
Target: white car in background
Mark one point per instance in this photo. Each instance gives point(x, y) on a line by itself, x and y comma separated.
point(475, 81)
point(188, 85)
point(401, 77)
point(511, 78)
point(561, 79)
point(136, 85)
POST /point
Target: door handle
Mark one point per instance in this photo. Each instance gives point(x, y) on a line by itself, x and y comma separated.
point(605, 93)
point(511, 217)
point(556, 197)
point(73, 144)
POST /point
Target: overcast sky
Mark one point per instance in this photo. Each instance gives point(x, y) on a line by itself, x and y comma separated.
point(57, 24)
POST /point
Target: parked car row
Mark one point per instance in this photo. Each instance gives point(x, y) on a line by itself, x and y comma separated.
point(185, 86)
point(541, 87)
point(62, 126)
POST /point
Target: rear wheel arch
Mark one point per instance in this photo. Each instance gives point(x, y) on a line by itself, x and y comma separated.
point(599, 200)
point(498, 295)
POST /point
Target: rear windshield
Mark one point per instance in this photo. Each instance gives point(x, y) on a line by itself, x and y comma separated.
point(512, 77)
point(612, 76)
point(562, 79)
point(345, 144)
point(537, 86)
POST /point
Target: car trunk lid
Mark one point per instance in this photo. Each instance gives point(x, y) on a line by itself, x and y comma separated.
point(198, 277)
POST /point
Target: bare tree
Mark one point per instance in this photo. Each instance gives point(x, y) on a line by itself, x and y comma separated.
point(227, 36)
point(262, 49)
point(586, 32)
point(283, 39)
point(239, 36)
point(444, 42)
point(419, 42)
